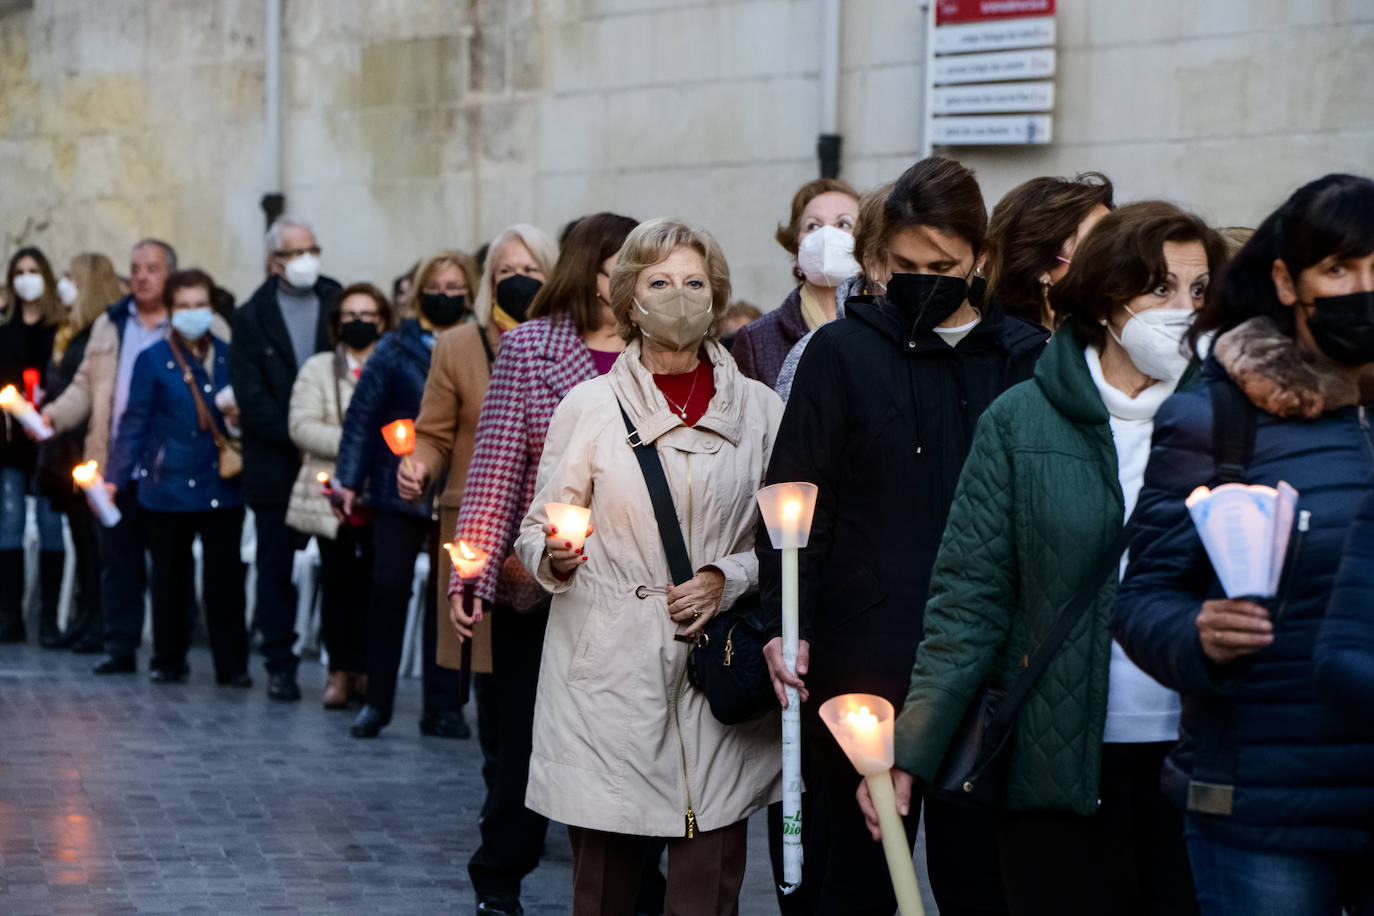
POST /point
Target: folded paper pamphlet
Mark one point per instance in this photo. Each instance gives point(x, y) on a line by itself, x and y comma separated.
point(1245, 530)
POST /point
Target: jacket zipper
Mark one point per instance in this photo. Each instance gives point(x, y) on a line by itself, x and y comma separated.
point(1304, 522)
point(682, 677)
point(1364, 428)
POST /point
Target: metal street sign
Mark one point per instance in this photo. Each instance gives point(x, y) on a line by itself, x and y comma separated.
point(951, 11)
point(988, 98)
point(997, 35)
point(992, 130)
point(998, 65)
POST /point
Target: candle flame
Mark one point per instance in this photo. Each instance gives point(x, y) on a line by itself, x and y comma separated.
point(8, 396)
point(322, 477)
point(791, 509)
point(84, 473)
point(861, 720)
point(466, 551)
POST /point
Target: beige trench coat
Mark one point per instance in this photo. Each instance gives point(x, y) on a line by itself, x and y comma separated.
point(315, 420)
point(621, 742)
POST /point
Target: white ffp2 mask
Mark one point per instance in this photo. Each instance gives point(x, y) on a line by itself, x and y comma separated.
point(826, 256)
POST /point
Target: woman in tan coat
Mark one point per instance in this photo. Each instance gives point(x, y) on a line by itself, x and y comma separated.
point(624, 749)
point(319, 400)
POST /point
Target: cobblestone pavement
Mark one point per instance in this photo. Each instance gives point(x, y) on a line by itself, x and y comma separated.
point(118, 795)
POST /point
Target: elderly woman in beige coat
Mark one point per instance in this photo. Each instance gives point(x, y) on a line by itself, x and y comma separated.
point(624, 748)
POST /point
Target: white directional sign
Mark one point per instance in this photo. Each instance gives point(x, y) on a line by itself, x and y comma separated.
point(992, 130)
point(998, 65)
point(989, 98)
point(995, 35)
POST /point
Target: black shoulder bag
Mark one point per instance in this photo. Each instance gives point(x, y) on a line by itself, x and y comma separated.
point(726, 660)
point(974, 770)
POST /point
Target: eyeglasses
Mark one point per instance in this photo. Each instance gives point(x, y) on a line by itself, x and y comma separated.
point(358, 316)
point(290, 254)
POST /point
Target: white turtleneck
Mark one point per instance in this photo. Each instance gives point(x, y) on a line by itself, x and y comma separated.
point(1139, 708)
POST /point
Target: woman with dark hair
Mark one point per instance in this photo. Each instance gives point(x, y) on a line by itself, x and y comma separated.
point(1037, 226)
point(319, 403)
point(880, 419)
point(1053, 473)
point(819, 235)
point(29, 326)
point(173, 436)
point(1277, 788)
point(571, 337)
point(389, 389)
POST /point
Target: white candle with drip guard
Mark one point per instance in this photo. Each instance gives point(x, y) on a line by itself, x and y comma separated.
point(569, 522)
point(87, 477)
point(15, 405)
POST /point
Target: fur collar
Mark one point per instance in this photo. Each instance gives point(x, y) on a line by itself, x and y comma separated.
point(1278, 376)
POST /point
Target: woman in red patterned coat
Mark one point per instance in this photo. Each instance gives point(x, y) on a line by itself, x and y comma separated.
point(571, 337)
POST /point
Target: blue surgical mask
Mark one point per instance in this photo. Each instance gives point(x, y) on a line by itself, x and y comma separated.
point(192, 323)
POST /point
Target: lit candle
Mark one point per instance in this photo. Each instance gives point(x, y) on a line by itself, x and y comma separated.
point(400, 438)
point(468, 561)
point(787, 509)
point(87, 477)
point(17, 407)
point(569, 522)
point(862, 725)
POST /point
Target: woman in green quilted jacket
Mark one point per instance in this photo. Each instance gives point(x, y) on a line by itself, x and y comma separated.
point(1055, 468)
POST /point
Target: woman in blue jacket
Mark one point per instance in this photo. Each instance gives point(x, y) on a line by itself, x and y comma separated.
point(390, 389)
point(1345, 646)
point(166, 441)
point(1278, 789)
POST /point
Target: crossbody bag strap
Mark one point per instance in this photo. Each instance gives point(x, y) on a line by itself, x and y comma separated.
point(1072, 613)
point(207, 422)
point(1233, 431)
point(486, 345)
point(665, 513)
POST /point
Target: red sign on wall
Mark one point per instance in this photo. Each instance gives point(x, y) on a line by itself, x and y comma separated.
point(948, 12)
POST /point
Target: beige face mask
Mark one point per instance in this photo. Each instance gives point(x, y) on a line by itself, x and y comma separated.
point(675, 318)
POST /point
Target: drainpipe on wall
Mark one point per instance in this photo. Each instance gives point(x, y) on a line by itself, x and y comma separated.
point(828, 144)
point(274, 201)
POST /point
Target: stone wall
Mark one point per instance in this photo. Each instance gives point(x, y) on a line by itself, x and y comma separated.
point(411, 125)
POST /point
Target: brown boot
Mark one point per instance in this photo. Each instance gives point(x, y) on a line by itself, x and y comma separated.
point(360, 686)
point(337, 691)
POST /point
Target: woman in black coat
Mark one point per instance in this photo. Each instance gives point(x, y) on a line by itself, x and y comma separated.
point(33, 313)
point(389, 389)
point(1278, 789)
point(880, 418)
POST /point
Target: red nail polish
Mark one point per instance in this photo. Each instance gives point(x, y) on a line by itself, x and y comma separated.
point(569, 543)
point(579, 551)
point(553, 528)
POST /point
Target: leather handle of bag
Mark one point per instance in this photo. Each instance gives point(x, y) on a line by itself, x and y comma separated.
point(665, 513)
point(1072, 613)
point(207, 423)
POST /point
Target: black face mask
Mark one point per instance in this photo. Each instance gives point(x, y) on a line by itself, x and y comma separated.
point(443, 310)
point(358, 334)
point(1343, 327)
point(515, 293)
point(929, 299)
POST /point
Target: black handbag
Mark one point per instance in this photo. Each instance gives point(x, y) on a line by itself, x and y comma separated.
point(726, 660)
point(974, 770)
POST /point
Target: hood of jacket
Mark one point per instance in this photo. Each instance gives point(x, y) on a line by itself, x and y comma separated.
point(1278, 376)
point(995, 329)
point(634, 386)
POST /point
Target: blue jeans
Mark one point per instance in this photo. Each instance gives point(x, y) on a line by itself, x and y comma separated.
point(1235, 880)
point(14, 485)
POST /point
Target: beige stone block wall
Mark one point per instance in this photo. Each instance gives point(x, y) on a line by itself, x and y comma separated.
point(414, 125)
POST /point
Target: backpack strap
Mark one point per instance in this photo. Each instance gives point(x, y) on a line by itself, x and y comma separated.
point(1233, 431)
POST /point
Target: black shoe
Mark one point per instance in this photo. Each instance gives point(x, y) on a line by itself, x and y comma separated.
point(283, 687)
point(447, 724)
point(500, 905)
point(369, 723)
point(116, 664)
point(92, 646)
point(50, 637)
point(241, 680)
point(169, 675)
point(14, 633)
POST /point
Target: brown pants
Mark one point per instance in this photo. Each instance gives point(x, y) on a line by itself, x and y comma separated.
point(705, 873)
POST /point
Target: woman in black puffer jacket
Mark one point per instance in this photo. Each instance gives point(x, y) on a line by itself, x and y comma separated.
point(1278, 788)
point(389, 389)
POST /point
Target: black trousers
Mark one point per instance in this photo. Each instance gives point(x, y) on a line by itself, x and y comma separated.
point(123, 575)
point(87, 619)
point(396, 540)
point(345, 584)
point(1128, 858)
point(961, 857)
point(169, 539)
point(275, 613)
point(512, 835)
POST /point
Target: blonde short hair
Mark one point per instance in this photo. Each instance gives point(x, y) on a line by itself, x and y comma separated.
point(650, 244)
point(542, 247)
point(410, 306)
